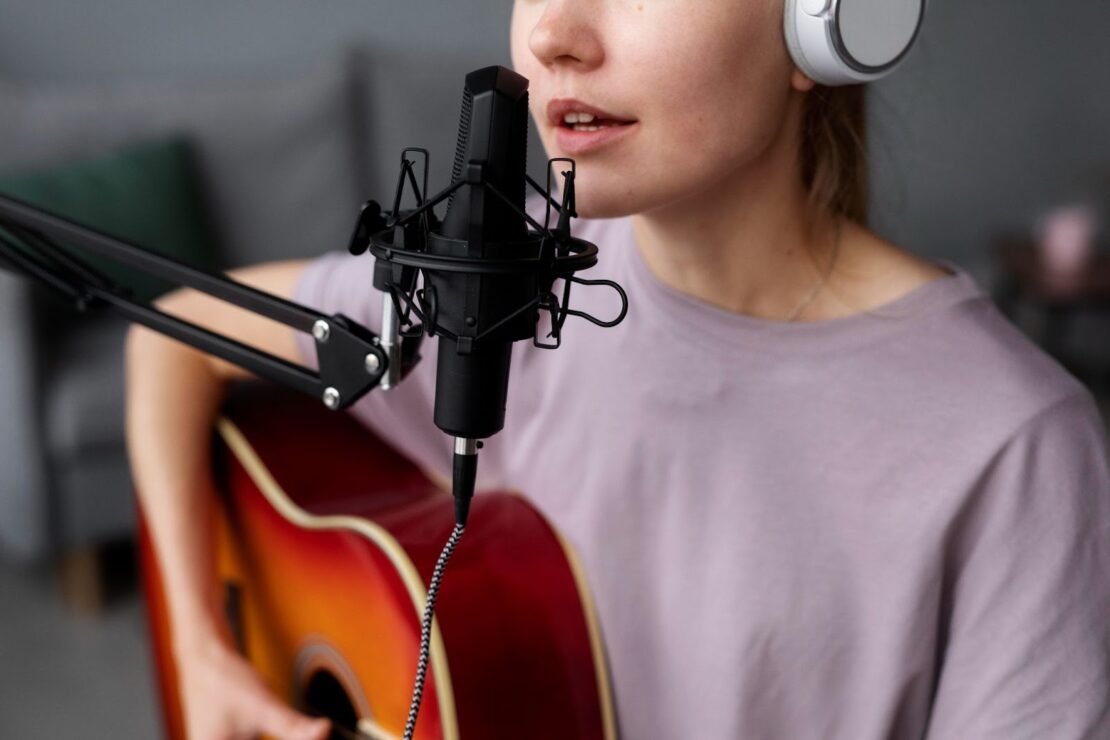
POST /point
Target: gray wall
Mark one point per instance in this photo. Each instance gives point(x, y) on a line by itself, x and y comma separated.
point(1001, 111)
point(47, 40)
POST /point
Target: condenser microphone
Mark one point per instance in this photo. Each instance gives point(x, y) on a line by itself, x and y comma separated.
point(482, 223)
point(486, 274)
point(472, 376)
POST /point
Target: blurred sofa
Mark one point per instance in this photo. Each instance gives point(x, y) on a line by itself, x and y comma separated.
point(284, 155)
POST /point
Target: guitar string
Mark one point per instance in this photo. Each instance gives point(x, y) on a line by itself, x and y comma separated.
point(426, 627)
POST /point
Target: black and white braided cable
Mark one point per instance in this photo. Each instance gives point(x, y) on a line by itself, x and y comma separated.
point(426, 628)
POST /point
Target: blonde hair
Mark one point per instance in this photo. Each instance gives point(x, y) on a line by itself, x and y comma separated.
point(834, 151)
point(834, 168)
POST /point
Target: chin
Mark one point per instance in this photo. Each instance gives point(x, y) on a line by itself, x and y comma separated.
point(600, 190)
point(619, 202)
point(604, 190)
point(603, 200)
point(600, 209)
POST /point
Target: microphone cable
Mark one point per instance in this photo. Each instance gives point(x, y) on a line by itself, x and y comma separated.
point(426, 627)
point(464, 474)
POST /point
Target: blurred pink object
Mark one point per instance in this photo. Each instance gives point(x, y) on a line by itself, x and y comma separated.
point(1066, 239)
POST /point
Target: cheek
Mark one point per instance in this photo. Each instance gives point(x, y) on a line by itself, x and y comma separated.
point(524, 17)
point(720, 91)
point(716, 74)
point(523, 61)
point(517, 44)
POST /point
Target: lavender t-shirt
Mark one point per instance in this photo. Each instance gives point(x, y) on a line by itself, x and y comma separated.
point(893, 524)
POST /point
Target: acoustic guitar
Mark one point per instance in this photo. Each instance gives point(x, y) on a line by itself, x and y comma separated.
point(326, 540)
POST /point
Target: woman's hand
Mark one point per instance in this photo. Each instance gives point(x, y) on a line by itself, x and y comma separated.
point(174, 393)
point(224, 699)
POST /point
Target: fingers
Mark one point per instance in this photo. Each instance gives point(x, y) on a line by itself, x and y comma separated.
point(223, 697)
point(279, 721)
point(320, 730)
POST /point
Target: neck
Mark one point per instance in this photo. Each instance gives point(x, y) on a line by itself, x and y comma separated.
point(744, 244)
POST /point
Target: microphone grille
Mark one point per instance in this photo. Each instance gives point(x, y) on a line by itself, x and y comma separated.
point(523, 114)
point(464, 135)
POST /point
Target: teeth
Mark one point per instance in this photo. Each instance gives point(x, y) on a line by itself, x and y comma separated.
point(576, 117)
point(583, 127)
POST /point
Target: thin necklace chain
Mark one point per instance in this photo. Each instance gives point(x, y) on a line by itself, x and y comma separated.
point(820, 279)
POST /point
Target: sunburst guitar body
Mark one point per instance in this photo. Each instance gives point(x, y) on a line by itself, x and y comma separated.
point(326, 541)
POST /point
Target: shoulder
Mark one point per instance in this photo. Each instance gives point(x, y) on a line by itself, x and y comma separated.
point(969, 359)
point(871, 272)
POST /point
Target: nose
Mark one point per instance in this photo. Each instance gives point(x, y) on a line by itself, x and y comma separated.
point(566, 35)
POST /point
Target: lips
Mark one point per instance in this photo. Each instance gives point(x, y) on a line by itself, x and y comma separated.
point(557, 109)
point(574, 142)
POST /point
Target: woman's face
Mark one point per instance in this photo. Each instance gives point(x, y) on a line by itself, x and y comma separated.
point(707, 83)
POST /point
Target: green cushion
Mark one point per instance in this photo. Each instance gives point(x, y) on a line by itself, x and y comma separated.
point(146, 194)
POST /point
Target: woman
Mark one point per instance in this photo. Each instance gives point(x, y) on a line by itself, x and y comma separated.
point(820, 487)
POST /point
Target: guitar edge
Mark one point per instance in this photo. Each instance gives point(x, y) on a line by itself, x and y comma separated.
point(325, 570)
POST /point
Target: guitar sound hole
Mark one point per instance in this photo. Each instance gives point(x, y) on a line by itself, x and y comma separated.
point(324, 696)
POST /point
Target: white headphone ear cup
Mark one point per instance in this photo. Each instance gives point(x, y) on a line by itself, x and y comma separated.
point(818, 46)
point(793, 43)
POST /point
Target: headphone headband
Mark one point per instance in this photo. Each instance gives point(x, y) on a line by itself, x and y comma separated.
point(845, 42)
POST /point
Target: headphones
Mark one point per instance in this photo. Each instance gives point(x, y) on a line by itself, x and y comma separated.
point(846, 42)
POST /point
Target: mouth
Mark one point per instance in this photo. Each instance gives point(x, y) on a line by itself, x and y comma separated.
point(587, 122)
point(581, 128)
point(578, 139)
point(577, 115)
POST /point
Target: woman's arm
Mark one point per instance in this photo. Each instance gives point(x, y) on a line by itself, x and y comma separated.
point(1027, 653)
point(173, 395)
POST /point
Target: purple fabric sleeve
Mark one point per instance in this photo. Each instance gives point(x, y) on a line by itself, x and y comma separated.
point(1029, 630)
